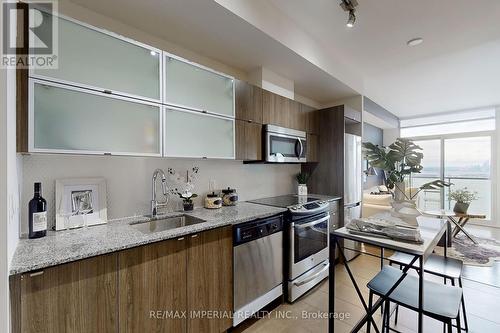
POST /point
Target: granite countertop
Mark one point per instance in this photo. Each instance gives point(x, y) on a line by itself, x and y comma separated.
point(65, 246)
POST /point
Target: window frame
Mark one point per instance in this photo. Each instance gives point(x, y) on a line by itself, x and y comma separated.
point(494, 167)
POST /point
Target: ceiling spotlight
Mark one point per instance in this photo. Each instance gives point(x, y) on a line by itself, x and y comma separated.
point(350, 6)
point(415, 41)
point(352, 19)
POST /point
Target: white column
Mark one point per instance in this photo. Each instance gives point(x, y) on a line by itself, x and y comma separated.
point(4, 257)
point(496, 171)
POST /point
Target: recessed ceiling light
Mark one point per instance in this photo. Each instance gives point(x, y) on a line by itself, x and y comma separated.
point(415, 41)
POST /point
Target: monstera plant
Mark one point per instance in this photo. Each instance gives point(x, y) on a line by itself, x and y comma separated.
point(399, 161)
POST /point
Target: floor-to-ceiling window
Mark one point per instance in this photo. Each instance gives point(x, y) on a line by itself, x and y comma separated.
point(458, 148)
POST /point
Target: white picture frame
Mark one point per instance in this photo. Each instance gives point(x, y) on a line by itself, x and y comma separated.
point(79, 202)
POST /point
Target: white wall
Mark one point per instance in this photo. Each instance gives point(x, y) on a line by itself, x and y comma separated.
point(4, 257)
point(129, 179)
point(390, 135)
point(9, 189)
point(266, 17)
point(496, 165)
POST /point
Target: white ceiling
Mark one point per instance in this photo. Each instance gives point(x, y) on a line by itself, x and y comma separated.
point(205, 27)
point(457, 66)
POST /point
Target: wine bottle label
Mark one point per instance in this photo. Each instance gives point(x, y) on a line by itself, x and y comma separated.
point(39, 221)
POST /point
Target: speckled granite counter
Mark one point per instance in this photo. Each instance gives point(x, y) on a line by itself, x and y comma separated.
point(66, 246)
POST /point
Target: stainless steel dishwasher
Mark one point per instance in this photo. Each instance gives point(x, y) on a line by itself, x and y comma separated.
point(258, 265)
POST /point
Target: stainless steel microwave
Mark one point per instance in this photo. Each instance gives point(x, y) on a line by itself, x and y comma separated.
point(285, 145)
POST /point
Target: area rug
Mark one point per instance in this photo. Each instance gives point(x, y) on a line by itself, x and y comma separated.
point(485, 253)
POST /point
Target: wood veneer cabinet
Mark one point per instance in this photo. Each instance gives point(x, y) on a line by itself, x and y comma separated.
point(248, 99)
point(210, 280)
point(312, 147)
point(152, 278)
point(248, 141)
point(150, 288)
point(192, 273)
point(282, 111)
point(312, 119)
point(76, 297)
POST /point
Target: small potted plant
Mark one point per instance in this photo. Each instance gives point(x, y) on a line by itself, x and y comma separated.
point(463, 198)
point(187, 200)
point(302, 178)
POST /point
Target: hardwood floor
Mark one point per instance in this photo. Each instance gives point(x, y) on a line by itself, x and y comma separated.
point(481, 300)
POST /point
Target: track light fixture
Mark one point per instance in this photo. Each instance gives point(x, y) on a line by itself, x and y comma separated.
point(350, 6)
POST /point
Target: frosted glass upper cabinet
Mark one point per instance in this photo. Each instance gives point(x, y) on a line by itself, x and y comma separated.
point(193, 134)
point(93, 58)
point(64, 119)
point(192, 86)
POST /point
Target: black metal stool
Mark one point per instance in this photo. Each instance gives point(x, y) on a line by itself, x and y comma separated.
point(445, 267)
point(441, 302)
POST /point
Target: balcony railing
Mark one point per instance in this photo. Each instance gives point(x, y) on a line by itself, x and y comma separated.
point(439, 199)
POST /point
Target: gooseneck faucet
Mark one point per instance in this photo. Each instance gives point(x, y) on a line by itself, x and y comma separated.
point(154, 203)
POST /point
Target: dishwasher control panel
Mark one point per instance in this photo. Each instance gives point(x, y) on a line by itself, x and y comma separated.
point(250, 231)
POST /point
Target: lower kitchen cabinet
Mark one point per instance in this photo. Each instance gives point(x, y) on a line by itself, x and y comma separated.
point(210, 280)
point(179, 285)
point(152, 280)
point(75, 297)
point(248, 141)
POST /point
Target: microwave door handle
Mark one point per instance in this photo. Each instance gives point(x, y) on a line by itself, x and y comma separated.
point(297, 148)
point(301, 148)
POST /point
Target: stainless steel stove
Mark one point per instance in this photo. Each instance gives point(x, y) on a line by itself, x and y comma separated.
point(306, 241)
point(296, 204)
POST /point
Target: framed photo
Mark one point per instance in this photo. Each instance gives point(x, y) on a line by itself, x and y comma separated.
point(80, 201)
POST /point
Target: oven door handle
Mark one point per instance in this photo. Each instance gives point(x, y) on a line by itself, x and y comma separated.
point(314, 276)
point(313, 223)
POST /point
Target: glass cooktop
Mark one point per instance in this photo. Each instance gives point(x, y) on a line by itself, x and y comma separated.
point(285, 201)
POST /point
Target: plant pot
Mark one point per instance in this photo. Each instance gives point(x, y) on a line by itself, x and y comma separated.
point(188, 206)
point(406, 210)
point(302, 189)
point(399, 191)
point(461, 207)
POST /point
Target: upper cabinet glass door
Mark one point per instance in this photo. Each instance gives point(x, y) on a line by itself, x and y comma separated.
point(94, 59)
point(191, 86)
point(70, 120)
point(193, 134)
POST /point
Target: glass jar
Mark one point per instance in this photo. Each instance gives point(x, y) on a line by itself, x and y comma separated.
point(229, 197)
point(213, 201)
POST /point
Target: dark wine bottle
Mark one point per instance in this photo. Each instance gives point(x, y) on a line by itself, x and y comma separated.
point(37, 214)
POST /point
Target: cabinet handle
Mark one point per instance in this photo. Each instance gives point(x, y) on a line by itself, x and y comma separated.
point(179, 239)
point(107, 154)
point(194, 236)
point(36, 274)
point(250, 121)
point(107, 91)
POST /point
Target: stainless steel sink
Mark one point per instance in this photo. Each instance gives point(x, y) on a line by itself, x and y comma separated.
point(166, 224)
